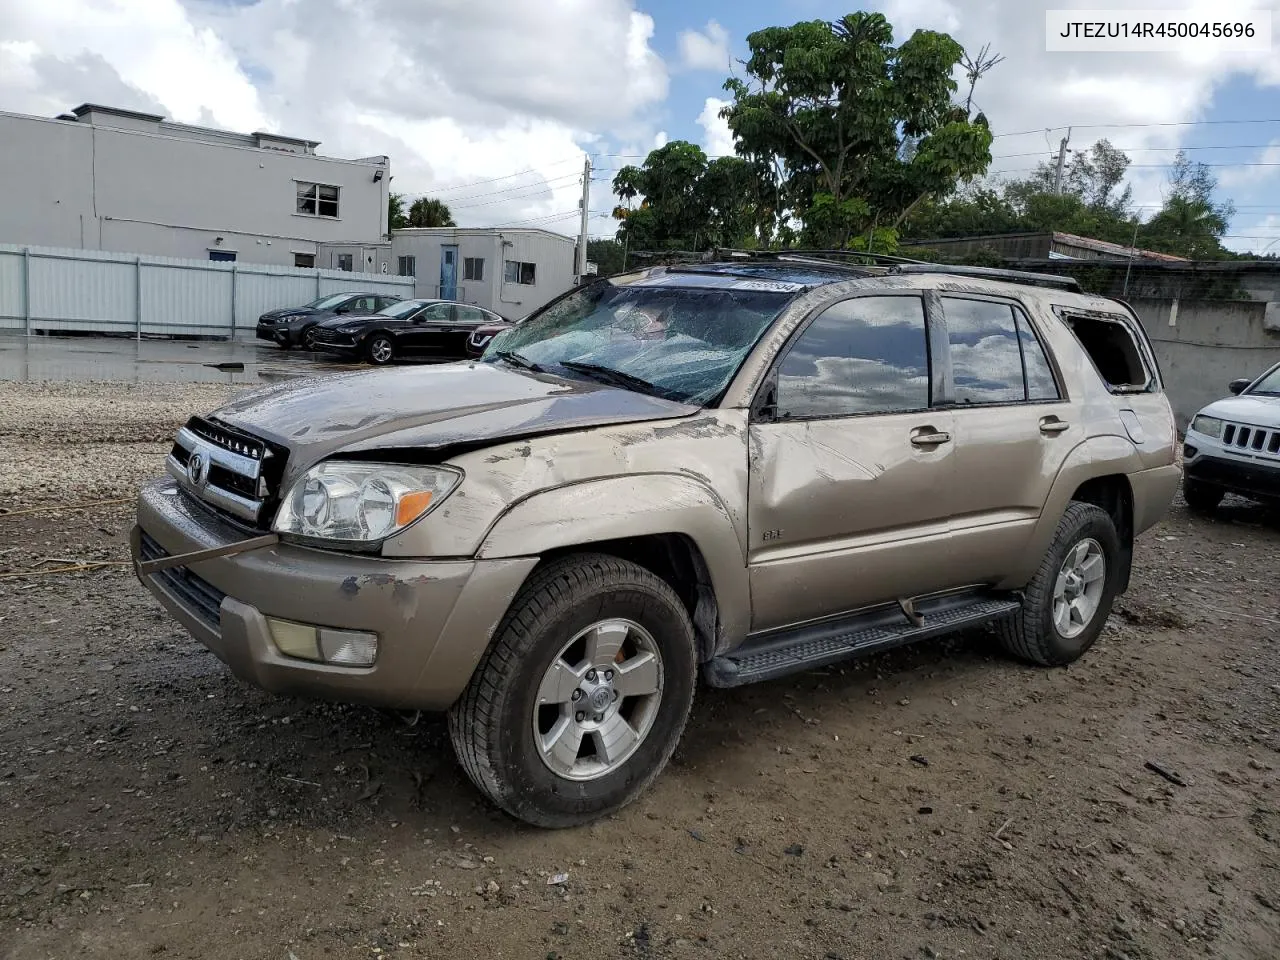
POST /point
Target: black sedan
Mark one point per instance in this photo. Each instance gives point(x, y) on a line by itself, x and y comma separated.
point(291, 326)
point(435, 329)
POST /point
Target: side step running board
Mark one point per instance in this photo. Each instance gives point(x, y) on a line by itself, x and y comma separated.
point(781, 653)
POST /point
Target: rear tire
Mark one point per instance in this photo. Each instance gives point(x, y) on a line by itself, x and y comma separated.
point(1066, 605)
point(527, 731)
point(380, 350)
point(308, 338)
point(1201, 497)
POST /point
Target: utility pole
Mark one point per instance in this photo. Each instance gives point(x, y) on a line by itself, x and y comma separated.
point(1062, 158)
point(586, 204)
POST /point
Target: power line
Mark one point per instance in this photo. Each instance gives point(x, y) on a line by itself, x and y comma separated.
point(1127, 126)
point(492, 198)
point(509, 176)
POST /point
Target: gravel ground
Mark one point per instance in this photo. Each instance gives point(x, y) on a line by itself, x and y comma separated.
point(939, 801)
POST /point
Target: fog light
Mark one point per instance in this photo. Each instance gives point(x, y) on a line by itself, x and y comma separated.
point(294, 639)
point(348, 648)
point(1189, 451)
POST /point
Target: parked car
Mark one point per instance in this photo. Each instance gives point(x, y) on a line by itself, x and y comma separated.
point(736, 470)
point(410, 328)
point(292, 326)
point(482, 335)
point(1233, 445)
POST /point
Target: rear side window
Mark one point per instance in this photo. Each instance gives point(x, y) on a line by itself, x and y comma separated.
point(1115, 353)
point(1041, 384)
point(865, 355)
point(995, 355)
point(986, 361)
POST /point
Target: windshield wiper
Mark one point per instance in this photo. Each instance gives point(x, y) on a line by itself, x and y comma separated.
point(518, 360)
point(617, 378)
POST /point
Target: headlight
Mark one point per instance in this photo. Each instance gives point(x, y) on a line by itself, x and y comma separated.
point(362, 502)
point(1209, 426)
point(349, 331)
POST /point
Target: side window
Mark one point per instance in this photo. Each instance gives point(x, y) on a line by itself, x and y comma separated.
point(986, 361)
point(1111, 346)
point(436, 313)
point(865, 355)
point(1040, 382)
point(469, 314)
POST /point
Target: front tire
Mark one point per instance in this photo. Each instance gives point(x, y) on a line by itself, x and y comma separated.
point(581, 697)
point(1201, 498)
point(380, 350)
point(309, 339)
point(1070, 597)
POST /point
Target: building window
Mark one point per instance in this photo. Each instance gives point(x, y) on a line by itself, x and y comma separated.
point(408, 266)
point(225, 256)
point(518, 271)
point(304, 259)
point(473, 268)
point(345, 262)
point(317, 199)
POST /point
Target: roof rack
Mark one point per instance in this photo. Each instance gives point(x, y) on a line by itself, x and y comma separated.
point(992, 273)
point(819, 256)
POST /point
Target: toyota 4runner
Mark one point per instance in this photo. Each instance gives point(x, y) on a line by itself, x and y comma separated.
point(737, 470)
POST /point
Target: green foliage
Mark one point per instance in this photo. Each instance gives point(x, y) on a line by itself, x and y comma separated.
point(688, 203)
point(396, 217)
point(859, 131)
point(1094, 202)
point(429, 212)
point(607, 255)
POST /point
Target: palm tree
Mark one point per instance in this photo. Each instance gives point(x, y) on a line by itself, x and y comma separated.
point(429, 212)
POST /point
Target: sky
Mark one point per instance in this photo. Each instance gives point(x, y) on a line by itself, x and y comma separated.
point(491, 105)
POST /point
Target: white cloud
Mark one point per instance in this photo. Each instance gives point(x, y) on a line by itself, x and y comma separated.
point(1256, 236)
point(717, 140)
point(705, 50)
point(455, 92)
point(660, 139)
point(1033, 89)
point(1236, 177)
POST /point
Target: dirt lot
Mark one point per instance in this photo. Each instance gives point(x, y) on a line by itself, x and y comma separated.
point(936, 802)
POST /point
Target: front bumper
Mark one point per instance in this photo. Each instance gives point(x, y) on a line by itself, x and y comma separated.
point(1256, 478)
point(433, 619)
point(266, 331)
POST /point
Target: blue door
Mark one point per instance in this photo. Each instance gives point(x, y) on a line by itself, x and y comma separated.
point(448, 273)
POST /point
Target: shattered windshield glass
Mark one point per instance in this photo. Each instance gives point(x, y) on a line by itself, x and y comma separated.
point(675, 340)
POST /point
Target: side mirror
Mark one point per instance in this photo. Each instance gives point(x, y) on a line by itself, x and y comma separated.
point(1238, 386)
point(343, 310)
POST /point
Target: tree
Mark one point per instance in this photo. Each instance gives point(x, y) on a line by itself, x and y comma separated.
point(396, 218)
point(1190, 224)
point(429, 212)
point(686, 202)
point(607, 255)
point(858, 131)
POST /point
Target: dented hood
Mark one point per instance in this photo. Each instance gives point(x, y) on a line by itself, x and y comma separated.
point(431, 407)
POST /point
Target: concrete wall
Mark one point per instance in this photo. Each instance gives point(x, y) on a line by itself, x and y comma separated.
point(1202, 345)
point(87, 186)
point(551, 253)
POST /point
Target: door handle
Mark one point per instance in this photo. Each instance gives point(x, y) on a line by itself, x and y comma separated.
point(930, 438)
point(1052, 425)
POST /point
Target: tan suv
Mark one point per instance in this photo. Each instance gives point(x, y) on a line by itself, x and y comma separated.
point(739, 469)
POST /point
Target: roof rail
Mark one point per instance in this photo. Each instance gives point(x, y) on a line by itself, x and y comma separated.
point(834, 256)
point(993, 273)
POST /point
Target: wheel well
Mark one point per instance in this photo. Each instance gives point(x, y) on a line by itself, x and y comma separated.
point(676, 559)
point(1114, 495)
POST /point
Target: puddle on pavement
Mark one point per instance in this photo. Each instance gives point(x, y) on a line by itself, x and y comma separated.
point(167, 361)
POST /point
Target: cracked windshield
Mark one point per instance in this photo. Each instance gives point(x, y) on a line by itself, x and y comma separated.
point(679, 343)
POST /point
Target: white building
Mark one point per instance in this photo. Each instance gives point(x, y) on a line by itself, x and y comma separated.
point(100, 178)
point(510, 271)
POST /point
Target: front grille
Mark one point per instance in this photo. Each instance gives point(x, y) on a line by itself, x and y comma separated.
point(197, 595)
point(1251, 440)
point(321, 335)
point(236, 473)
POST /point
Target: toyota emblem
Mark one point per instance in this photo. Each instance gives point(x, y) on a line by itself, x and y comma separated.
point(198, 469)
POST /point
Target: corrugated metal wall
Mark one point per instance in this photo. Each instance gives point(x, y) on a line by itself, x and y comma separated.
point(47, 289)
